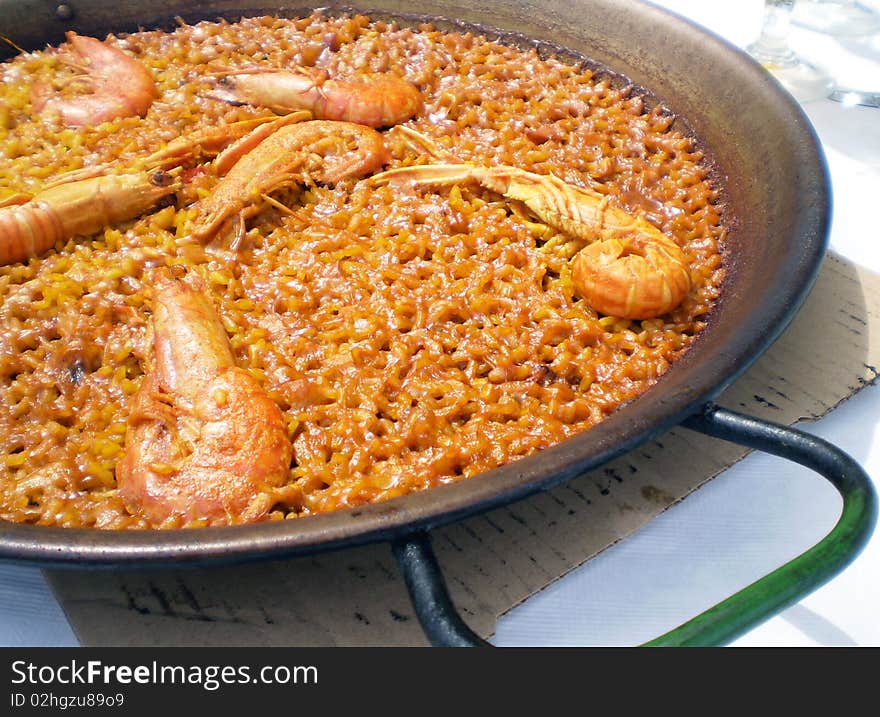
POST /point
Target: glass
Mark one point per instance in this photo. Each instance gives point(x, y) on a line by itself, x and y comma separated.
point(804, 81)
point(836, 17)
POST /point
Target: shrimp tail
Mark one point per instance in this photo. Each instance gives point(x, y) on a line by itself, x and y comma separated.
point(628, 267)
point(632, 277)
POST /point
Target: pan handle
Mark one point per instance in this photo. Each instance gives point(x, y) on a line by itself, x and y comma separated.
point(745, 609)
point(430, 598)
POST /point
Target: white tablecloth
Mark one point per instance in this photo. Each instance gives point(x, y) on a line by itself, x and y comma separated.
point(753, 517)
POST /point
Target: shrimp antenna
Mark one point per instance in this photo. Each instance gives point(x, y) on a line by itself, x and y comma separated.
point(12, 44)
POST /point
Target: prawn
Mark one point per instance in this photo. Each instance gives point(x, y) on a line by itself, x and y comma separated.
point(204, 440)
point(629, 267)
point(121, 86)
point(378, 100)
point(324, 150)
point(75, 205)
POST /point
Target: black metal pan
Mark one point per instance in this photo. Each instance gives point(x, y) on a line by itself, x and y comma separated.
point(777, 188)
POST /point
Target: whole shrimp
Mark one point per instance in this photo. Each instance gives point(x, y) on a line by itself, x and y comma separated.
point(372, 100)
point(75, 205)
point(629, 268)
point(325, 150)
point(204, 441)
point(120, 86)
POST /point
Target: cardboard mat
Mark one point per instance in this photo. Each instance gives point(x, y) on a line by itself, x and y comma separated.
point(494, 561)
